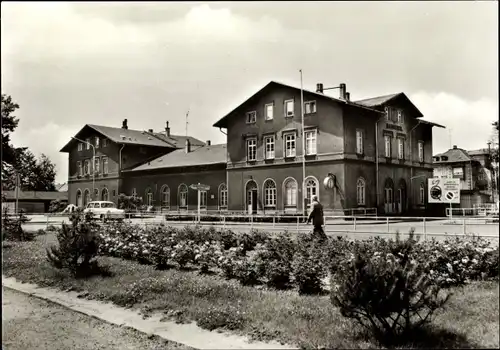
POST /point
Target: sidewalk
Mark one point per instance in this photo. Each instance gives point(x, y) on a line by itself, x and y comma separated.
point(187, 334)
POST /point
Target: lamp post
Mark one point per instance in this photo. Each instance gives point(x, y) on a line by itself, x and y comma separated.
point(93, 164)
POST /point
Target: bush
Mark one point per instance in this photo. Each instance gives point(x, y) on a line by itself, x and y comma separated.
point(12, 229)
point(228, 260)
point(57, 206)
point(250, 240)
point(78, 247)
point(247, 271)
point(183, 253)
point(389, 294)
point(274, 260)
point(207, 255)
point(308, 266)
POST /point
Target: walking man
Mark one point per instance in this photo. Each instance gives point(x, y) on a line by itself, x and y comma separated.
point(316, 216)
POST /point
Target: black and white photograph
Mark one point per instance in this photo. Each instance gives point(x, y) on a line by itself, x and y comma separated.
point(250, 175)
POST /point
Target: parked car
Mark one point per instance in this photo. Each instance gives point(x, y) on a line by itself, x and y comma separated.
point(105, 210)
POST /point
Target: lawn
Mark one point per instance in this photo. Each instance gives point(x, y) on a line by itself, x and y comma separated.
point(470, 320)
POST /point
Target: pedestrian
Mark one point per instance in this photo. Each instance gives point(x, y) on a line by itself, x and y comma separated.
point(316, 216)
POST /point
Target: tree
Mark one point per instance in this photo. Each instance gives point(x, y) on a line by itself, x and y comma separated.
point(9, 124)
point(494, 155)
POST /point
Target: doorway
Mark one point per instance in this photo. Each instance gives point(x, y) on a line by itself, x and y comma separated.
point(251, 200)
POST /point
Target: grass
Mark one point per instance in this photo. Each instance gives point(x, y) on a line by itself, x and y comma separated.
point(470, 320)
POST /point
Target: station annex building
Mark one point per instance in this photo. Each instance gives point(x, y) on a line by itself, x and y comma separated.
point(379, 151)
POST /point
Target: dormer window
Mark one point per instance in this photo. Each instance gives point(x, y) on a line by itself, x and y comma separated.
point(251, 117)
point(444, 158)
point(386, 110)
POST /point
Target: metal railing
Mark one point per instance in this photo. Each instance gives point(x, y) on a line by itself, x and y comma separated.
point(354, 225)
point(476, 211)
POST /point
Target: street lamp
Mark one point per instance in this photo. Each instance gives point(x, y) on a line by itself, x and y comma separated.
point(93, 164)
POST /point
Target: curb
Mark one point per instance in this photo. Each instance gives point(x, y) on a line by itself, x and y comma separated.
point(186, 334)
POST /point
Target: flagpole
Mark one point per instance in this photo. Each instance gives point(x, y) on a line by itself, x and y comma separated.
point(303, 146)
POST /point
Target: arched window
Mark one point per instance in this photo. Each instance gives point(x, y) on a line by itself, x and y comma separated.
point(270, 194)
point(223, 196)
point(95, 197)
point(79, 199)
point(105, 194)
point(421, 196)
point(149, 197)
point(165, 196)
point(312, 188)
point(360, 191)
point(183, 196)
point(86, 197)
point(290, 193)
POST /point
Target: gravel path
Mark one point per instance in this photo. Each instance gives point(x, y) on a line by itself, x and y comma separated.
point(32, 323)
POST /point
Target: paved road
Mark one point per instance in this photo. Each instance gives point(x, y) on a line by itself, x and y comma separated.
point(30, 323)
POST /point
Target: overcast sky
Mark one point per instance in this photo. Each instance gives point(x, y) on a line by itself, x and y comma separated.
point(71, 64)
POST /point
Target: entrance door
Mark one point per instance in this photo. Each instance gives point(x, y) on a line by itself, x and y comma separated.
point(252, 201)
point(400, 201)
point(389, 200)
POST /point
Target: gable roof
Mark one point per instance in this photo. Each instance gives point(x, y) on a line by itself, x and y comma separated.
point(221, 123)
point(137, 137)
point(35, 195)
point(455, 155)
point(204, 155)
point(379, 101)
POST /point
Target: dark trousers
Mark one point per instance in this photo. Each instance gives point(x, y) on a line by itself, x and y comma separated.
point(318, 232)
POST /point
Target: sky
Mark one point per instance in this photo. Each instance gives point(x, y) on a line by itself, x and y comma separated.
point(68, 64)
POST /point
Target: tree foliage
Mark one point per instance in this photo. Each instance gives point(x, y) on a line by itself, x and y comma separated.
point(129, 203)
point(9, 124)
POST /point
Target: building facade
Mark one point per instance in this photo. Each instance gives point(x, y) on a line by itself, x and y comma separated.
point(378, 151)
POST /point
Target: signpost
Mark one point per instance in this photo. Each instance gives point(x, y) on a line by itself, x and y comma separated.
point(199, 187)
point(444, 190)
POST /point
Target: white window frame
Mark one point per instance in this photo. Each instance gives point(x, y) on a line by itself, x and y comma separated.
point(312, 188)
point(269, 193)
point(287, 114)
point(359, 141)
point(422, 194)
point(286, 141)
point(87, 144)
point(80, 146)
point(269, 143)
point(165, 196)
point(223, 199)
point(183, 194)
point(149, 197)
point(421, 151)
point(203, 199)
point(401, 148)
point(97, 165)
point(311, 138)
point(105, 169)
point(309, 107)
point(97, 142)
point(266, 110)
point(86, 167)
point(361, 191)
point(290, 199)
point(386, 110)
point(79, 167)
point(388, 146)
point(251, 143)
point(251, 117)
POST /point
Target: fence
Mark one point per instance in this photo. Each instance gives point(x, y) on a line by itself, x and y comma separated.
point(357, 226)
point(476, 211)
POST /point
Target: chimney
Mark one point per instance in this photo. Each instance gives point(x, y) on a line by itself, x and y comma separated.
point(167, 130)
point(208, 143)
point(124, 124)
point(454, 146)
point(319, 88)
point(150, 130)
point(188, 146)
point(342, 91)
point(347, 96)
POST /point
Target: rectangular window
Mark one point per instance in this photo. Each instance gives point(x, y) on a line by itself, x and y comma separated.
point(251, 117)
point(400, 117)
point(289, 109)
point(269, 111)
point(251, 149)
point(310, 107)
point(96, 165)
point(104, 165)
point(290, 145)
point(104, 142)
point(80, 146)
point(203, 199)
point(80, 169)
point(421, 151)
point(97, 143)
point(86, 166)
point(388, 148)
point(401, 148)
point(311, 142)
point(223, 198)
point(269, 147)
point(359, 141)
point(270, 197)
point(87, 143)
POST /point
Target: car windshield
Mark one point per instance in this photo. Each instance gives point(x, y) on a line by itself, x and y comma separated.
point(107, 205)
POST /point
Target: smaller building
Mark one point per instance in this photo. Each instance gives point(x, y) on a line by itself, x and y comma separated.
point(473, 168)
point(31, 201)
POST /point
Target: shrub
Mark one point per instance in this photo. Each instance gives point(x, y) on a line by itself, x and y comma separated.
point(390, 294)
point(274, 260)
point(250, 240)
point(12, 227)
point(228, 260)
point(207, 255)
point(308, 265)
point(183, 253)
point(78, 247)
point(247, 271)
point(57, 205)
